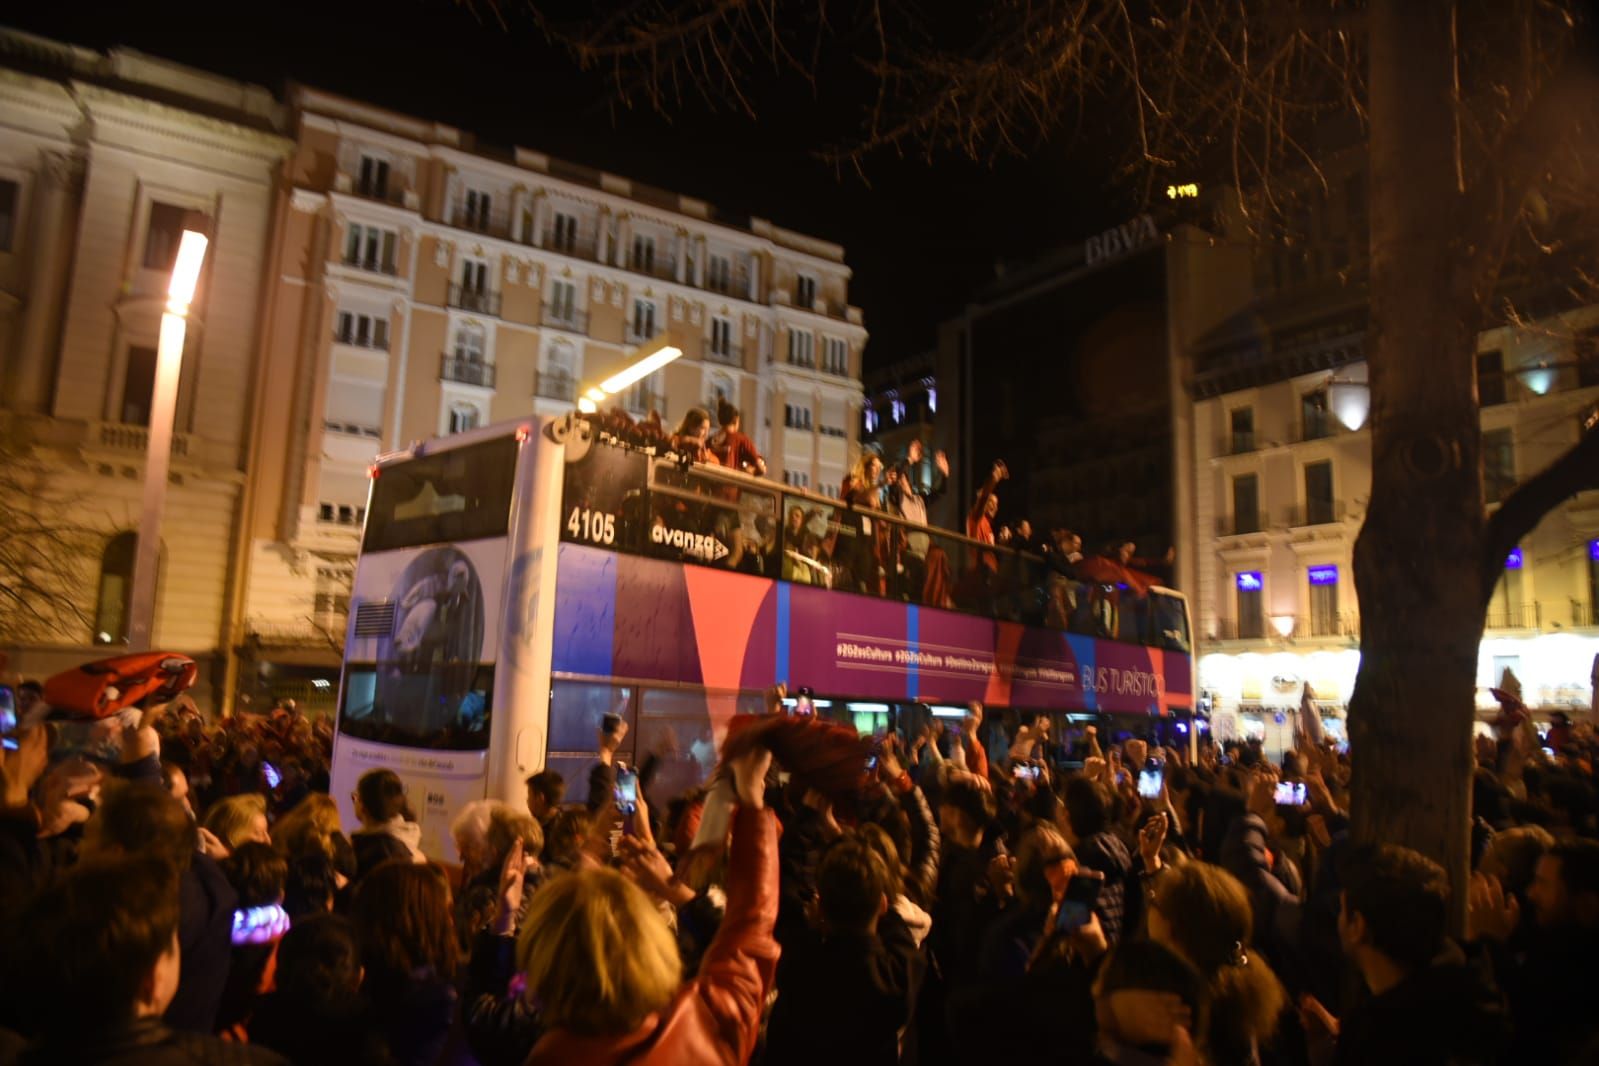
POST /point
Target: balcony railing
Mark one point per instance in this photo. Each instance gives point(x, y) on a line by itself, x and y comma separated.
point(461, 218)
point(639, 333)
point(1320, 513)
point(484, 303)
point(555, 386)
point(588, 250)
point(1238, 443)
point(571, 320)
point(466, 371)
point(1238, 525)
point(1332, 624)
point(1514, 616)
point(728, 354)
point(372, 263)
point(665, 269)
point(1240, 628)
point(1584, 614)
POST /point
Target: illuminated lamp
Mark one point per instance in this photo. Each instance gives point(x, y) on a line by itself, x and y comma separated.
point(1350, 401)
point(1513, 560)
point(1283, 624)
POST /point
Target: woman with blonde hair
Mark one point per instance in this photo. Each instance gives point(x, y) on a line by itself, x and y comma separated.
point(309, 826)
point(604, 967)
point(236, 820)
point(1202, 912)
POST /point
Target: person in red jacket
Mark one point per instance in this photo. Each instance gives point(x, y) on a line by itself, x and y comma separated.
point(603, 966)
point(732, 448)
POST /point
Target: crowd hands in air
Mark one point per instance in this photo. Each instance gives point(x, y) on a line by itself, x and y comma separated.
point(1045, 578)
point(977, 891)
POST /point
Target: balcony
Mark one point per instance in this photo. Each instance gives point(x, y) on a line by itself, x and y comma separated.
point(1239, 629)
point(1333, 624)
point(587, 250)
point(484, 303)
point(566, 318)
point(461, 218)
point(1318, 513)
point(1584, 614)
point(728, 355)
point(1239, 525)
point(665, 269)
point(466, 371)
point(555, 385)
point(1237, 443)
point(372, 264)
point(1514, 616)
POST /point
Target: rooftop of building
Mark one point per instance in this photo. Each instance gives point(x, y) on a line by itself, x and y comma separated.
point(136, 74)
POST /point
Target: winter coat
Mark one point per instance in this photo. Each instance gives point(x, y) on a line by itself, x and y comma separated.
point(1106, 853)
point(854, 982)
point(715, 1017)
point(396, 839)
point(205, 934)
point(413, 1011)
point(145, 1043)
point(1445, 1014)
point(320, 1033)
point(501, 1025)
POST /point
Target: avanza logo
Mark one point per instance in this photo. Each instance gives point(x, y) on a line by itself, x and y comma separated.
point(698, 545)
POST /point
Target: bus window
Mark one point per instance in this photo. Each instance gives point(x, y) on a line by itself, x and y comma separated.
point(454, 495)
point(578, 707)
point(1168, 622)
point(439, 707)
point(697, 516)
point(681, 728)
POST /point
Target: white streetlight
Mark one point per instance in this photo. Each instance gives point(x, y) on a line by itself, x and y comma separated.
point(1283, 624)
point(589, 402)
point(158, 451)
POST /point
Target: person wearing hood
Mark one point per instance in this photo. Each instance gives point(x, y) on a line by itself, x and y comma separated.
point(1426, 1004)
point(388, 828)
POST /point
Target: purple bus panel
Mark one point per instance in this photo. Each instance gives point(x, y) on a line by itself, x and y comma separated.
point(654, 620)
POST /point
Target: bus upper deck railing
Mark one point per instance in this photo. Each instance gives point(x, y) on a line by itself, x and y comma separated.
point(660, 505)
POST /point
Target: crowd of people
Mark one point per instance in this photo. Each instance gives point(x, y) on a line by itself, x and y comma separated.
point(945, 892)
point(877, 539)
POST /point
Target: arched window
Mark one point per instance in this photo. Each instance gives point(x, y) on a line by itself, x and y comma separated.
point(469, 342)
point(560, 365)
point(721, 387)
point(116, 589)
point(464, 416)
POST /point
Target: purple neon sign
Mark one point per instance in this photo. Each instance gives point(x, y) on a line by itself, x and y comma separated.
point(1323, 575)
point(1513, 560)
point(1249, 581)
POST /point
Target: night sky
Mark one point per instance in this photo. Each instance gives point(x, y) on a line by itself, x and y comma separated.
point(920, 238)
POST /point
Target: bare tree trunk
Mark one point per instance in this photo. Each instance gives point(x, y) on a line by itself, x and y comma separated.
point(1417, 561)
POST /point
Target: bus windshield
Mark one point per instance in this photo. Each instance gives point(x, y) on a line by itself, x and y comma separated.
point(455, 495)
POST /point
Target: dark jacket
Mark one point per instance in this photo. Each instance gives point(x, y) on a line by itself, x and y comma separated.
point(375, 848)
point(716, 1016)
point(501, 1026)
point(414, 1012)
point(1106, 853)
point(1272, 884)
point(146, 1043)
point(921, 869)
point(863, 984)
point(320, 1033)
point(205, 933)
point(1443, 1015)
point(1549, 985)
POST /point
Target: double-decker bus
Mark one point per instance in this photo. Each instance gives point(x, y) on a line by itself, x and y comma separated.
point(517, 583)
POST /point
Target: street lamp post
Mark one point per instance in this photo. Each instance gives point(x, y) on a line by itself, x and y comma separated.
point(589, 401)
point(158, 452)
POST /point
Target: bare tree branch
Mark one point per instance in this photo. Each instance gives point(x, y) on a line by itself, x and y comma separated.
point(1574, 472)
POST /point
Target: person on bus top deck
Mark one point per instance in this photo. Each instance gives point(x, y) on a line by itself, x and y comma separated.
point(732, 448)
point(689, 440)
point(979, 520)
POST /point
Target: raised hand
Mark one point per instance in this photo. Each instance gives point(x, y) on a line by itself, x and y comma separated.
point(749, 777)
point(1151, 839)
point(1491, 912)
point(513, 874)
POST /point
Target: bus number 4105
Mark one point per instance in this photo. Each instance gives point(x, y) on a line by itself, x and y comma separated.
point(596, 526)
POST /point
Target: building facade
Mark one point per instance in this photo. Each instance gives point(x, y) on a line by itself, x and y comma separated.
point(104, 160)
point(1282, 471)
point(422, 285)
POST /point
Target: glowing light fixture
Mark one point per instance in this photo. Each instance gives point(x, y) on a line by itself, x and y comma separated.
point(1283, 624)
point(1539, 378)
point(638, 371)
point(1350, 401)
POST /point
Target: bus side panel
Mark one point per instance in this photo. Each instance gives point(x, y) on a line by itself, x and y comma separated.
point(438, 784)
point(520, 739)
